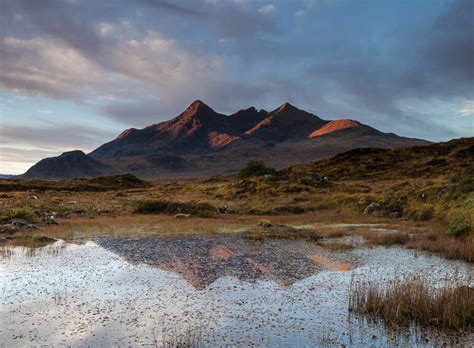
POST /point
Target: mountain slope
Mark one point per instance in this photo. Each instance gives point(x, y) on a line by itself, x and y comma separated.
point(335, 126)
point(202, 142)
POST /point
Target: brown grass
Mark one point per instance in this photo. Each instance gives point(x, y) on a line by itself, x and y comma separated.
point(384, 238)
point(401, 303)
point(337, 246)
point(451, 248)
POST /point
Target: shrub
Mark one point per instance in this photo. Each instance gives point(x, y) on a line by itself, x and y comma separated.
point(394, 204)
point(256, 168)
point(265, 223)
point(164, 207)
point(422, 213)
point(459, 228)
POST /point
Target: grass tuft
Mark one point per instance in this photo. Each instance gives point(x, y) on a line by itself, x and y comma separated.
point(401, 303)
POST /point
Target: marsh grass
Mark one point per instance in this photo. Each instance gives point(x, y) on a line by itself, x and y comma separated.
point(450, 248)
point(384, 238)
point(337, 246)
point(403, 302)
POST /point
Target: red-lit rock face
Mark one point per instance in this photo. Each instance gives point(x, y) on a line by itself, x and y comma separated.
point(334, 126)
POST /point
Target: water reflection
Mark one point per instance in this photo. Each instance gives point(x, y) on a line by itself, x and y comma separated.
point(202, 260)
point(29, 246)
point(108, 295)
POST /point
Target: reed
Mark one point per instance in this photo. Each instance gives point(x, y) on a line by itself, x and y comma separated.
point(403, 302)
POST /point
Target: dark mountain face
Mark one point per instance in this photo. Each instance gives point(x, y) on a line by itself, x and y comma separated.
point(201, 142)
point(199, 130)
point(286, 123)
point(244, 120)
point(73, 164)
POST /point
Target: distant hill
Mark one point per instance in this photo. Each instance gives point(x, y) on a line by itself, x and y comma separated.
point(201, 142)
point(73, 164)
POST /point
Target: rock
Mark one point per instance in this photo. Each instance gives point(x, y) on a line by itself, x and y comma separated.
point(19, 222)
point(8, 228)
point(31, 227)
point(374, 209)
point(226, 210)
point(320, 177)
point(182, 216)
point(395, 215)
point(50, 220)
point(42, 213)
point(72, 202)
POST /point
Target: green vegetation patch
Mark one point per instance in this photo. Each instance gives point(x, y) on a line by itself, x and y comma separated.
point(172, 208)
point(459, 228)
point(256, 168)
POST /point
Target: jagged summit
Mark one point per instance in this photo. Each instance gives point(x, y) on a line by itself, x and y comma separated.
point(286, 107)
point(196, 107)
point(287, 122)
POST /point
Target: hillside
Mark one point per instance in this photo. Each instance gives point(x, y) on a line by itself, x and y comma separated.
point(451, 158)
point(73, 164)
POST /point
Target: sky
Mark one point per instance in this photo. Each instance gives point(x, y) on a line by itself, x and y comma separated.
point(74, 74)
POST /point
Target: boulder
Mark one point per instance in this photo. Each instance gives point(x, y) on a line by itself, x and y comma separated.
point(19, 222)
point(182, 216)
point(374, 209)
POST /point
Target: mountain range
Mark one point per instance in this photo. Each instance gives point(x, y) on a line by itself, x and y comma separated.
point(202, 142)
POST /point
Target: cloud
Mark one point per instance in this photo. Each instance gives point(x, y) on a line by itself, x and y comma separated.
point(436, 63)
point(27, 156)
point(47, 67)
point(40, 142)
point(267, 9)
point(467, 109)
point(53, 137)
point(17, 160)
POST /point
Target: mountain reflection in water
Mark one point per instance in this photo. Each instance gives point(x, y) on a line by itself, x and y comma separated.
point(201, 260)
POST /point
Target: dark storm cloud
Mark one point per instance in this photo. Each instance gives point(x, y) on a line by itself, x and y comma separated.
point(436, 63)
point(174, 8)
